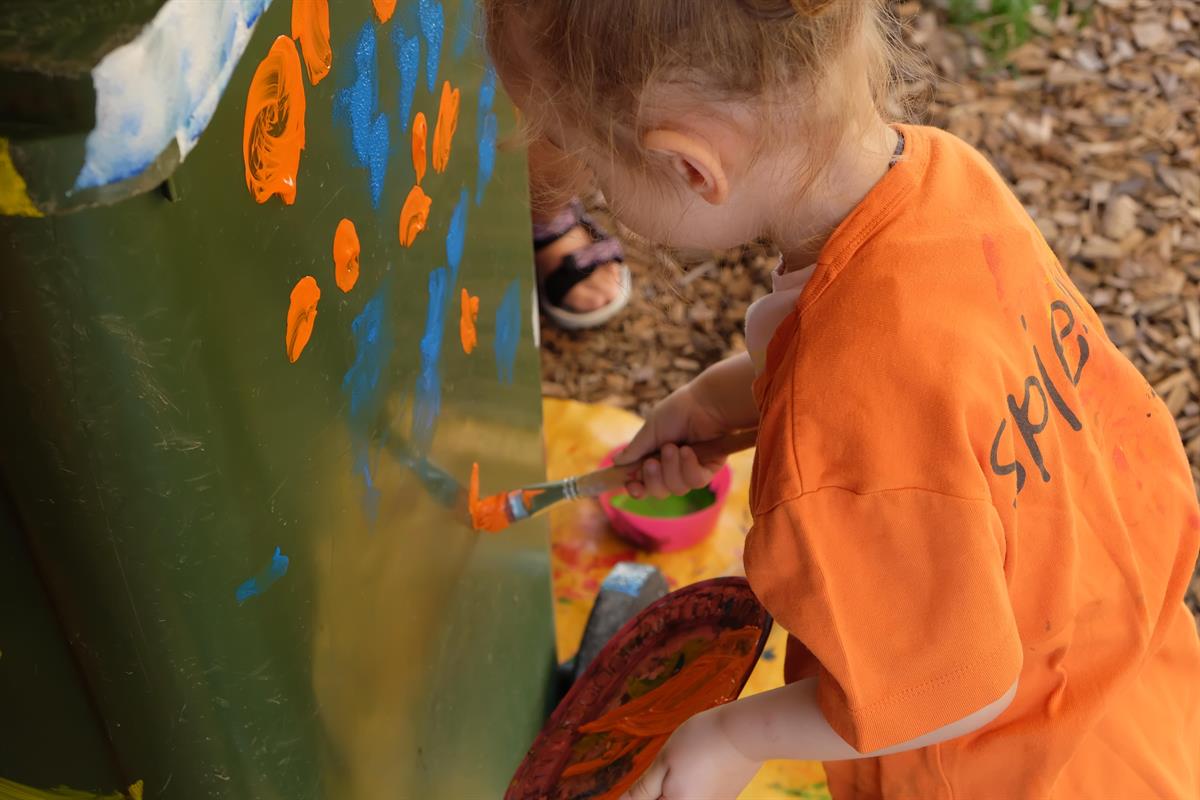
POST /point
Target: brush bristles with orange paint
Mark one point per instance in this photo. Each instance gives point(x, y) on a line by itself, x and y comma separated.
point(496, 512)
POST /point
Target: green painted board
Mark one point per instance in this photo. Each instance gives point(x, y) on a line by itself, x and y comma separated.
point(158, 446)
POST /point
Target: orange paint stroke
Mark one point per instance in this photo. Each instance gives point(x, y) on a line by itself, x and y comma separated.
point(414, 215)
point(273, 135)
point(443, 131)
point(466, 323)
point(302, 314)
point(642, 726)
point(345, 255)
point(310, 27)
point(420, 132)
point(384, 9)
point(488, 514)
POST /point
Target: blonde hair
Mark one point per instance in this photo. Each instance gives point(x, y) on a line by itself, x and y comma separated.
point(591, 63)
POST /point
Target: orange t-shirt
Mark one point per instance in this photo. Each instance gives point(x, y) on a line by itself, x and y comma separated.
point(961, 482)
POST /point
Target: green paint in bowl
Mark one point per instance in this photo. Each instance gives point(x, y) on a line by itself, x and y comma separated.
point(668, 507)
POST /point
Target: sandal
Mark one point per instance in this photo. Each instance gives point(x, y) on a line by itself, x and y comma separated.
point(578, 266)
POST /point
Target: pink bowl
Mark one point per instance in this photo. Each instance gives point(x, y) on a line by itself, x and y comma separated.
point(666, 534)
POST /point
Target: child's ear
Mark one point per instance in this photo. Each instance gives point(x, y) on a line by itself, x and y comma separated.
point(694, 160)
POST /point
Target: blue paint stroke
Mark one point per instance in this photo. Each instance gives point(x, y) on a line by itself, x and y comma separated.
point(372, 350)
point(466, 27)
point(628, 578)
point(433, 28)
point(486, 127)
point(508, 332)
point(769, 654)
point(182, 60)
point(357, 105)
point(456, 236)
point(407, 52)
point(264, 579)
point(428, 402)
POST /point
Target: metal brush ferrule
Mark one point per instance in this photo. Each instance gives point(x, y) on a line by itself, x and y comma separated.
point(570, 488)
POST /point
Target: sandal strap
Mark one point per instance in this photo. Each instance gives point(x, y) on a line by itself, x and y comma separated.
point(547, 233)
point(578, 266)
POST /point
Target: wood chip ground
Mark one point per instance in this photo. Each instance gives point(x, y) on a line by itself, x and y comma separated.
point(1095, 122)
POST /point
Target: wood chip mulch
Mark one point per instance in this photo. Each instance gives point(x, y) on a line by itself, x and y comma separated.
point(1095, 122)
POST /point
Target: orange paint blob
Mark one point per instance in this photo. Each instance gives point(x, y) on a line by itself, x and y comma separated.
point(310, 27)
point(384, 9)
point(443, 131)
point(345, 255)
point(420, 131)
point(466, 323)
point(273, 135)
point(302, 314)
point(639, 729)
point(488, 514)
point(414, 215)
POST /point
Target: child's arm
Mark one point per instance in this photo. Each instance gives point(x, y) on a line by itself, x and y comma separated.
point(718, 401)
point(787, 723)
point(715, 754)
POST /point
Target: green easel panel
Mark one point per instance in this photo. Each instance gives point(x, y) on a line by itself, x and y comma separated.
point(235, 432)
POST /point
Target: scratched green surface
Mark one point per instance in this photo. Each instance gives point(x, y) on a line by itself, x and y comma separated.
point(157, 447)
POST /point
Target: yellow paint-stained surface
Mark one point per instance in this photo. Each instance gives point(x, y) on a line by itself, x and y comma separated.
point(14, 196)
point(10, 790)
point(583, 550)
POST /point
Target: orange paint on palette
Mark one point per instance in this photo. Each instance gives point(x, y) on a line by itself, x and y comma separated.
point(310, 27)
point(443, 130)
point(420, 132)
point(466, 323)
point(384, 9)
point(488, 514)
point(273, 134)
point(414, 216)
point(638, 729)
point(345, 255)
point(302, 314)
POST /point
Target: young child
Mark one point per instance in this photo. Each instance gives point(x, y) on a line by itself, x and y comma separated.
point(971, 514)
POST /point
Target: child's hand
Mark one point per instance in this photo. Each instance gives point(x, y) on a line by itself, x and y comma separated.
point(698, 762)
point(684, 416)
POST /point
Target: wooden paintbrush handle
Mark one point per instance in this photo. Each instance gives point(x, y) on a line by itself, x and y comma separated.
point(610, 479)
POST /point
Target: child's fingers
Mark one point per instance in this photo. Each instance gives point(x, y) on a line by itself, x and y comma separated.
point(649, 786)
point(695, 474)
point(652, 478)
point(635, 489)
point(672, 470)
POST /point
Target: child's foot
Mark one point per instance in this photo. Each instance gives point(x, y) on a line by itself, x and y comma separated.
point(582, 282)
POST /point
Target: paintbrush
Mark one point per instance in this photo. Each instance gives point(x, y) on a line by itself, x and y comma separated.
point(497, 512)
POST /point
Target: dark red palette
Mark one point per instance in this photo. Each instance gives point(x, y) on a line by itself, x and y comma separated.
point(690, 651)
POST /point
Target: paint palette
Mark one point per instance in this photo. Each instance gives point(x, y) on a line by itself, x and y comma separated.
point(688, 652)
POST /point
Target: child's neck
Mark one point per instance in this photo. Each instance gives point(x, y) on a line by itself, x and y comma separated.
point(800, 229)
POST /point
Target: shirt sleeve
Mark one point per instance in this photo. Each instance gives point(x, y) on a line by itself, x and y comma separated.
point(900, 595)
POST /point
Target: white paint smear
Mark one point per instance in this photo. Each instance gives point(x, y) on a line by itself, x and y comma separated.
point(164, 85)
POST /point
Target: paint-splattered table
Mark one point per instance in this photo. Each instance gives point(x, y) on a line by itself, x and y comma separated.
point(583, 550)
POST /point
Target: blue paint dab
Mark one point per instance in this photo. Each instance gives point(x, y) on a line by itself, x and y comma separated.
point(769, 654)
point(466, 27)
point(433, 28)
point(508, 331)
point(264, 579)
point(428, 402)
point(486, 127)
point(407, 50)
point(628, 578)
point(487, 155)
point(357, 105)
point(361, 384)
point(456, 236)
